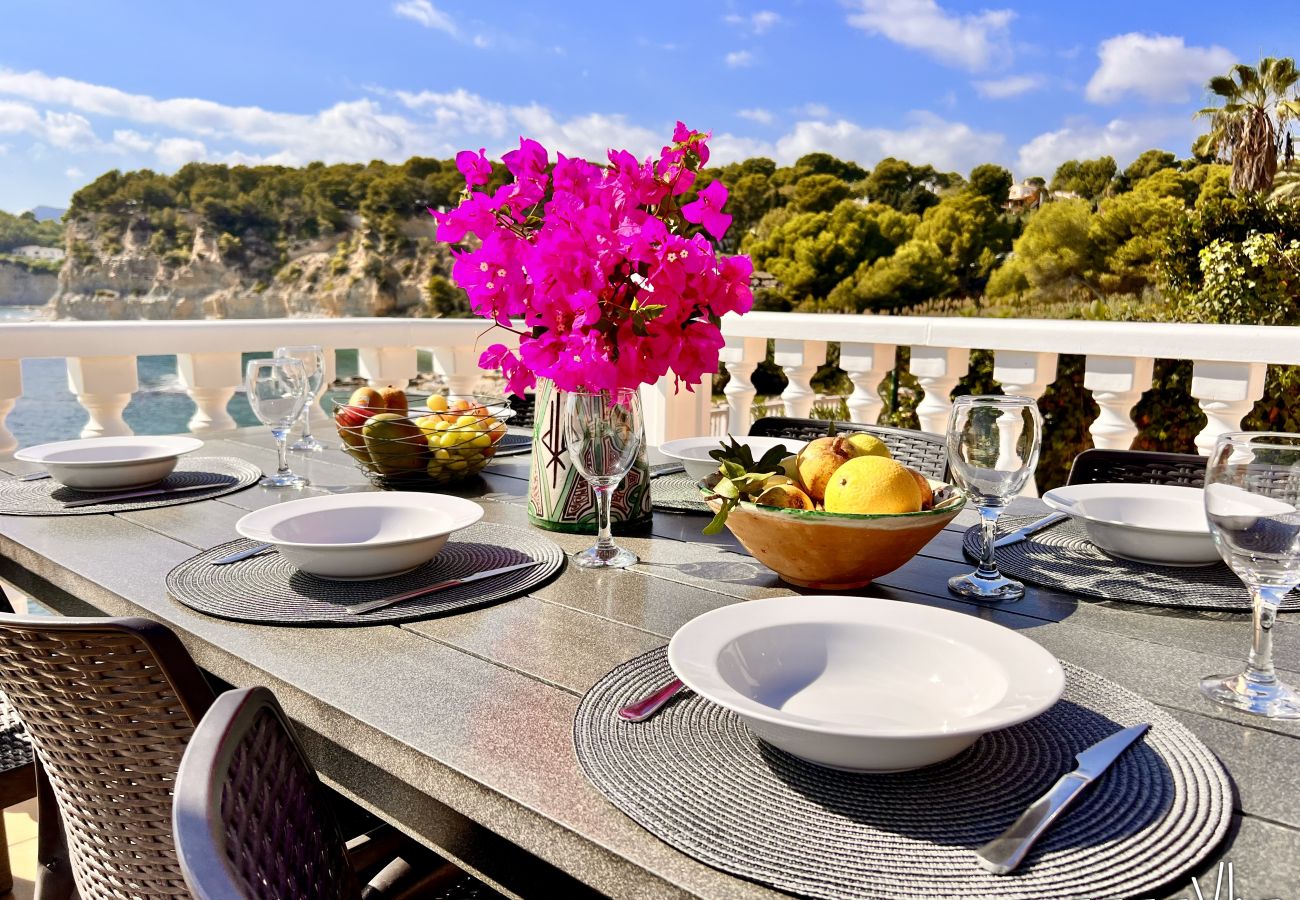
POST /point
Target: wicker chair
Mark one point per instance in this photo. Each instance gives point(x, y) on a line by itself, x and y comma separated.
point(251, 819)
point(924, 452)
point(1137, 467)
point(525, 408)
point(109, 705)
point(17, 770)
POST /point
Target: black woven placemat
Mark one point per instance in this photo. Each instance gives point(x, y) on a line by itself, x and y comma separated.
point(513, 445)
point(268, 590)
point(1063, 558)
point(46, 497)
point(672, 490)
point(696, 778)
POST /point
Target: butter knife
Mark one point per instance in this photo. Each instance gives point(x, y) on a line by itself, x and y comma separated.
point(1021, 533)
point(131, 495)
point(1004, 853)
point(32, 476)
point(241, 554)
point(372, 605)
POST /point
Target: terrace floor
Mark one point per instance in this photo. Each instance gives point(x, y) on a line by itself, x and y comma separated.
point(20, 826)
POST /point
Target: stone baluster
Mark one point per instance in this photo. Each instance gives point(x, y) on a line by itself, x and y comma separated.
point(799, 360)
point(459, 368)
point(741, 357)
point(320, 416)
point(1027, 374)
point(388, 366)
point(1227, 392)
point(1117, 383)
point(866, 365)
point(938, 369)
point(210, 379)
point(11, 388)
point(670, 413)
point(103, 385)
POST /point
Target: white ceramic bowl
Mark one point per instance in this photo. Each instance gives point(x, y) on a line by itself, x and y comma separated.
point(359, 537)
point(693, 453)
point(111, 463)
point(1149, 523)
point(862, 683)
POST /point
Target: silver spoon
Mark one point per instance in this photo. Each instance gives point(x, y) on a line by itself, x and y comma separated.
point(648, 706)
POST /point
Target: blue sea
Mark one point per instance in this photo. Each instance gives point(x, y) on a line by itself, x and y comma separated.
point(48, 411)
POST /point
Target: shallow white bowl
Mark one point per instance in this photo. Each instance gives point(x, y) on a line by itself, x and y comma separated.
point(358, 537)
point(861, 683)
point(1149, 523)
point(693, 453)
point(111, 463)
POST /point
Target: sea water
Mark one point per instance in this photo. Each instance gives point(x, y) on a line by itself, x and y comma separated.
point(48, 410)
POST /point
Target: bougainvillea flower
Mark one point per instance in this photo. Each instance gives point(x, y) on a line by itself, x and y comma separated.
point(475, 167)
point(707, 210)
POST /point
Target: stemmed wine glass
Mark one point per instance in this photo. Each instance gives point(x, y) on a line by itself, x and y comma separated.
point(603, 432)
point(312, 357)
point(1252, 503)
point(277, 392)
point(993, 444)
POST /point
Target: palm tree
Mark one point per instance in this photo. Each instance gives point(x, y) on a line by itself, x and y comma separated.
point(1251, 127)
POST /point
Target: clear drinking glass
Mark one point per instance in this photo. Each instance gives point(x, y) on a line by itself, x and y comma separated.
point(1252, 502)
point(603, 431)
point(277, 392)
point(312, 358)
point(993, 445)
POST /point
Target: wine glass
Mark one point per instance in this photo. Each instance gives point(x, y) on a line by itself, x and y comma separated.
point(993, 444)
point(277, 392)
point(312, 358)
point(1252, 503)
point(603, 432)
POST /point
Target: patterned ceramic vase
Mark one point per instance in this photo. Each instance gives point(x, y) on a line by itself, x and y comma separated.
point(559, 498)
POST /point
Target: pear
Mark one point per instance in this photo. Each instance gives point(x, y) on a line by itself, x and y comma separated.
point(817, 462)
point(367, 398)
point(394, 444)
point(923, 485)
point(786, 496)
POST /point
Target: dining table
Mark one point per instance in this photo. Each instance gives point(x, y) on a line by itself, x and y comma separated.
point(458, 729)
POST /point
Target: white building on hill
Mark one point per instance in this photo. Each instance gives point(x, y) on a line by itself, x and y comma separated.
point(33, 251)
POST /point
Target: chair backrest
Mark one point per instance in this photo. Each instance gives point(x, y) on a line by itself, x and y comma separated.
point(109, 705)
point(926, 453)
point(251, 819)
point(1137, 467)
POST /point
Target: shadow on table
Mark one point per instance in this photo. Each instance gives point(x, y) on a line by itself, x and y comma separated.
point(743, 570)
point(972, 798)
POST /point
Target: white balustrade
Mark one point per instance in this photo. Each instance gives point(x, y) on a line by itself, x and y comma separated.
point(388, 366)
point(103, 385)
point(741, 356)
point(11, 388)
point(318, 415)
point(938, 369)
point(800, 361)
point(866, 365)
point(1026, 374)
point(210, 379)
point(459, 368)
point(1226, 392)
point(1117, 383)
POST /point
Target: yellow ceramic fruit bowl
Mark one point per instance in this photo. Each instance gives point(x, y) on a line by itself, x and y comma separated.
point(836, 551)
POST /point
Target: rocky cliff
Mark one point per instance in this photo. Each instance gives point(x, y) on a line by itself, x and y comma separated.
point(128, 274)
point(22, 285)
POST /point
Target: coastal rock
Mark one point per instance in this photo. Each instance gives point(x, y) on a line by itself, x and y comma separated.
point(22, 285)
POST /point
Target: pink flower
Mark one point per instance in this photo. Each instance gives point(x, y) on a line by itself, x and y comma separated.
point(474, 166)
point(707, 210)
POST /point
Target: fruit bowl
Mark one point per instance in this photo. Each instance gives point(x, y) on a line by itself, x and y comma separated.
point(420, 443)
point(835, 551)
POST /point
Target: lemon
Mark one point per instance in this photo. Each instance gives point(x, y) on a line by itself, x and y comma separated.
point(872, 485)
point(863, 444)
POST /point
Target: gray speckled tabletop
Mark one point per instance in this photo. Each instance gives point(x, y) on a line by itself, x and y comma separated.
point(457, 729)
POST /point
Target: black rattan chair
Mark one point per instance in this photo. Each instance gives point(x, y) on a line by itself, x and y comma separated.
point(926, 453)
point(251, 818)
point(17, 769)
point(1138, 467)
point(525, 408)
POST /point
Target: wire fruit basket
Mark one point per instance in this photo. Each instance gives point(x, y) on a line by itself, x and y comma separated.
point(409, 443)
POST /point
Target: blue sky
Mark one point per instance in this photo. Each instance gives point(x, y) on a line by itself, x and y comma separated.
point(89, 86)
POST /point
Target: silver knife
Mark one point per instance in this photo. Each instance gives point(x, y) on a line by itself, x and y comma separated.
point(32, 476)
point(147, 492)
point(241, 554)
point(372, 605)
point(1002, 854)
point(1021, 533)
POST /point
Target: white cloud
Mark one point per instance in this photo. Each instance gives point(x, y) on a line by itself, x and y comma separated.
point(1011, 86)
point(460, 110)
point(73, 172)
point(1159, 67)
point(426, 14)
point(974, 41)
point(814, 110)
point(176, 152)
point(755, 23)
point(127, 140)
point(66, 131)
point(1123, 139)
point(740, 58)
point(761, 116)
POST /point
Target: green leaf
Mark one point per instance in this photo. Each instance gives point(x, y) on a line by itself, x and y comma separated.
point(720, 518)
point(727, 488)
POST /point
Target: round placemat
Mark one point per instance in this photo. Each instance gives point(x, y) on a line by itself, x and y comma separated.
point(513, 445)
point(1063, 558)
point(46, 497)
point(695, 777)
point(268, 590)
point(675, 491)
